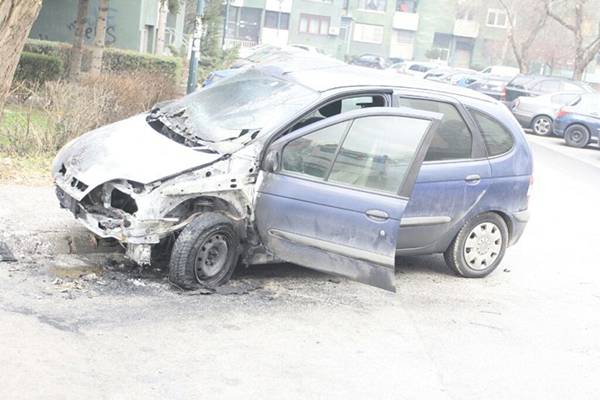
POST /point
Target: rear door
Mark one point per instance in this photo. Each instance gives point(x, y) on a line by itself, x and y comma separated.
point(454, 177)
point(333, 194)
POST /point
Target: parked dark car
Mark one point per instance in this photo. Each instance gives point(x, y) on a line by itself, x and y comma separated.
point(370, 60)
point(492, 86)
point(579, 123)
point(534, 85)
point(538, 112)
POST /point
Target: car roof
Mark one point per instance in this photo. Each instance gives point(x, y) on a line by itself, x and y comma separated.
point(325, 73)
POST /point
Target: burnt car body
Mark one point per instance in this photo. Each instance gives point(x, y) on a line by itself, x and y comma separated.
point(327, 167)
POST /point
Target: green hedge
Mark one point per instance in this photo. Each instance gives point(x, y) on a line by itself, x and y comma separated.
point(114, 60)
point(39, 68)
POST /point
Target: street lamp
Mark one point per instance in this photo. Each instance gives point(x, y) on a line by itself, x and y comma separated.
point(192, 82)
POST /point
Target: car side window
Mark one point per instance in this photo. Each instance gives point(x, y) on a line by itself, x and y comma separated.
point(339, 107)
point(313, 154)
point(564, 99)
point(453, 139)
point(549, 86)
point(498, 140)
point(376, 152)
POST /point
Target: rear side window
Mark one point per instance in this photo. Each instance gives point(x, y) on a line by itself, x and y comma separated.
point(453, 139)
point(498, 139)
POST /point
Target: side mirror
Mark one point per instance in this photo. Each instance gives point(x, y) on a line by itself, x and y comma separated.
point(271, 161)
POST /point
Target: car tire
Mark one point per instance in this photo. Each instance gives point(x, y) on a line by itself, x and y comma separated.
point(542, 125)
point(479, 246)
point(206, 252)
point(577, 136)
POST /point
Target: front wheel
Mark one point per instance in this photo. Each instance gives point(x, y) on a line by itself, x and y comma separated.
point(205, 253)
point(479, 247)
point(577, 136)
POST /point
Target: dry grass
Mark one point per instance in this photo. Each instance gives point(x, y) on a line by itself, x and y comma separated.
point(42, 120)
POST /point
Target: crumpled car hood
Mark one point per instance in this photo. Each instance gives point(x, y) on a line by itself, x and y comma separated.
point(129, 149)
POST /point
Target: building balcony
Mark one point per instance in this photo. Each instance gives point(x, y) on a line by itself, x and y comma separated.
point(465, 28)
point(279, 5)
point(406, 21)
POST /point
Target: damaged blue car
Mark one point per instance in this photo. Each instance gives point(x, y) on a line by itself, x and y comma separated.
point(335, 168)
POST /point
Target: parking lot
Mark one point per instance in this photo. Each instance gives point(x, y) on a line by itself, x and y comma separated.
point(89, 324)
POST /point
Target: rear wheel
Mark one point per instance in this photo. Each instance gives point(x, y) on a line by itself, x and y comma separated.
point(205, 253)
point(542, 125)
point(479, 247)
point(577, 136)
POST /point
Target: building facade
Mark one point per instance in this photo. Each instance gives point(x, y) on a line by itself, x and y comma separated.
point(419, 30)
point(131, 24)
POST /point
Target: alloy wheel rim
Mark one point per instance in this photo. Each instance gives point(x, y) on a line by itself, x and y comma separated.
point(542, 126)
point(483, 246)
point(211, 256)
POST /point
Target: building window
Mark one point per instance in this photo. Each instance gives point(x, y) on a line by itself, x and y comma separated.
point(368, 33)
point(497, 18)
point(277, 20)
point(404, 37)
point(372, 5)
point(314, 24)
point(407, 6)
point(441, 47)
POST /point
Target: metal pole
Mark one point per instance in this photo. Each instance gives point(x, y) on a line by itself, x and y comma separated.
point(225, 22)
point(192, 82)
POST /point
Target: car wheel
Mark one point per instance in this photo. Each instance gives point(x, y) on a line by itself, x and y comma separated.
point(577, 136)
point(542, 125)
point(205, 253)
point(479, 246)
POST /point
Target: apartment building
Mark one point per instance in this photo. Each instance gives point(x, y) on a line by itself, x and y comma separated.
point(444, 30)
point(131, 24)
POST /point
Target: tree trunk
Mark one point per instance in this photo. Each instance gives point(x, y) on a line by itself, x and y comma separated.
point(100, 39)
point(163, 11)
point(77, 49)
point(579, 70)
point(16, 18)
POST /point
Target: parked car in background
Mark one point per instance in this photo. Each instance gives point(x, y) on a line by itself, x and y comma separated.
point(501, 70)
point(464, 80)
point(536, 85)
point(538, 112)
point(311, 49)
point(579, 123)
point(336, 169)
point(491, 85)
point(445, 74)
point(412, 68)
point(370, 61)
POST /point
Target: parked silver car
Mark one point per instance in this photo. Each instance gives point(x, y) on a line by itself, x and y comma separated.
point(538, 113)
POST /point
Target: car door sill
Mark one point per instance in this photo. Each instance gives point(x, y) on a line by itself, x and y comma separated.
point(340, 249)
point(424, 221)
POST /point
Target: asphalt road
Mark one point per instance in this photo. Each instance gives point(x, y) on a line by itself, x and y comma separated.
point(529, 331)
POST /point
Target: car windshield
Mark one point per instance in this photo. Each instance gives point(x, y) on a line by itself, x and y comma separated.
point(234, 107)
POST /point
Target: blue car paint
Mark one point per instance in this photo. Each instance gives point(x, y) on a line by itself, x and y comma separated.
point(562, 123)
point(441, 190)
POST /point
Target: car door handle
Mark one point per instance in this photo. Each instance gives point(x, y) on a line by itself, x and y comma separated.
point(473, 178)
point(377, 215)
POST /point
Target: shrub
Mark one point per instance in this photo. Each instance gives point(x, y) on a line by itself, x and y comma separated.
point(114, 60)
point(38, 68)
point(65, 109)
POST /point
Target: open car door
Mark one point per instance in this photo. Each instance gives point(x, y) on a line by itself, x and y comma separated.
point(332, 194)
